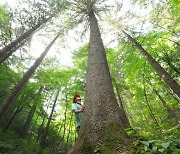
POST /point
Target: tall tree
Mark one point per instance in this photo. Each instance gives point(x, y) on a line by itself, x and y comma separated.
point(32, 19)
point(161, 72)
point(9, 49)
point(18, 88)
point(102, 129)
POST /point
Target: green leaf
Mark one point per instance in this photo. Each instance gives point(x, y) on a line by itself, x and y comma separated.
point(154, 148)
point(166, 144)
point(161, 150)
point(145, 148)
point(145, 143)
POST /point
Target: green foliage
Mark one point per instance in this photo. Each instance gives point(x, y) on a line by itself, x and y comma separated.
point(11, 143)
point(157, 146)
point(175, 6)
point(5, 26)
point(3, 14)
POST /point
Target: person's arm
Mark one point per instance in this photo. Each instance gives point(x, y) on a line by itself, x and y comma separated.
point(78, 111)
point(75, 110)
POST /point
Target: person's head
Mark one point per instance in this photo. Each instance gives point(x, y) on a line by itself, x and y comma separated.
point(77, 99)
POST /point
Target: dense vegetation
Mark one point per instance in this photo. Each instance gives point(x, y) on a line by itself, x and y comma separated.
point(39, 117)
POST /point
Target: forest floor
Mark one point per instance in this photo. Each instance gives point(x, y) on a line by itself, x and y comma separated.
point(10, 143)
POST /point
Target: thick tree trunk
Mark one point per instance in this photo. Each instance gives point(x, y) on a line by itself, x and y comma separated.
point(101, 130)
point(160, 71)
point(25, 128)
point(18, 42)
point(18, 88)
point(44, 136)
point(4, 56)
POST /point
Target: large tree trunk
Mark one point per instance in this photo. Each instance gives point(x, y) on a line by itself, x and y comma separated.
point(162, 73)
point(102, 130)
point(4, 107)
point(18, 42)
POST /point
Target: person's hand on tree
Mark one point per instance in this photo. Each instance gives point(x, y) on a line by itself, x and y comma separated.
point(82, 107)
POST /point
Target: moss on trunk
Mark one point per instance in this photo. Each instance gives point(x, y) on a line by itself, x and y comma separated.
point(114, 141)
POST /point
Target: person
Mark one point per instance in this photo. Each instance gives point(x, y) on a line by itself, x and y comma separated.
point(77, 108)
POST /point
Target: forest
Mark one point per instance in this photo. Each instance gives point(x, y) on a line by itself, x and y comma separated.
point(121, 56)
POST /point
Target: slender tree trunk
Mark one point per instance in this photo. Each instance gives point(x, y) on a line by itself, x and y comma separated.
point(44, 136)
point(40, 129)
point(151, 113)
point(173, 67)
point(174, 96)
point(162, 73)
point(18, 110)
point(18, 42)
point(56, 143)
point(30, 117)
point(101, 125)
point(33, 128)
point(172, 41)
point(124, 118)
point(67, 141)
point(25, 128)
point(171, 114)
point(42, 125)
point(18, 88)
point(168, 61)
point(65, 112)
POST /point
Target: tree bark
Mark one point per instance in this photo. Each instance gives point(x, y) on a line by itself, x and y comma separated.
point(4, 56)
point(160, 71)
point(18, 42)
point(5, 106)
point(101, 130)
